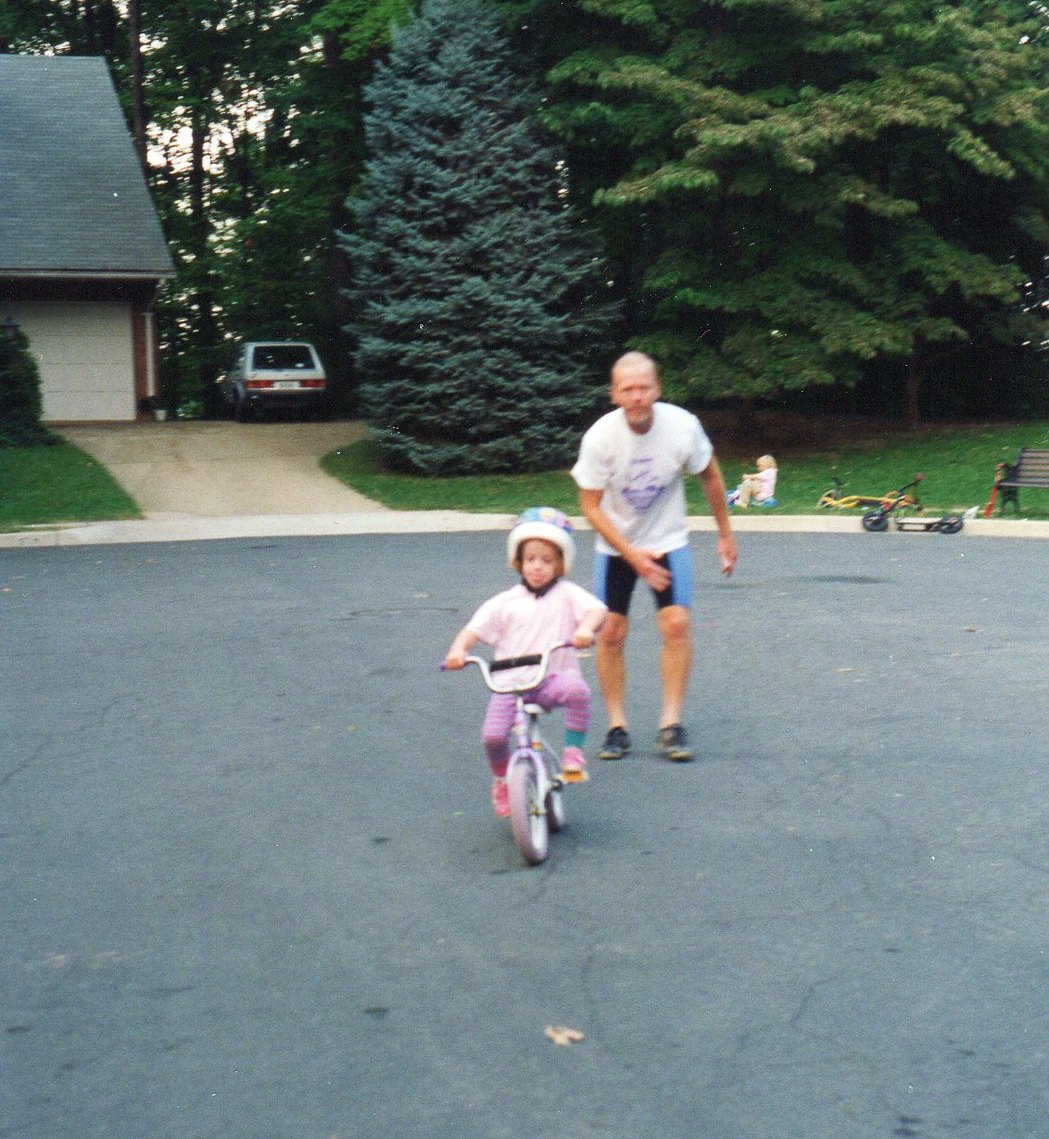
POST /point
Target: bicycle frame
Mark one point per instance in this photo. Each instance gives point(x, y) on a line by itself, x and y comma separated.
point(834, 498)
point(533, 775)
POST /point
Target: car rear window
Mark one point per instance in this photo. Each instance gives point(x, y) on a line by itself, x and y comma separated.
point(281, 357)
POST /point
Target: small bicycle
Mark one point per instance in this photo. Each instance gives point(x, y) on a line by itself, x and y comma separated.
point(835, 498)
point(534, 777)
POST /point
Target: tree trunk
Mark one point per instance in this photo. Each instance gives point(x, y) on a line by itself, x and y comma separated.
point(138, 102)
point(915, 375)
point(747, 422)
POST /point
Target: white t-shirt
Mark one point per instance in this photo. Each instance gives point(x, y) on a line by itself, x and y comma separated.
point(642, 476)
point(516, 623)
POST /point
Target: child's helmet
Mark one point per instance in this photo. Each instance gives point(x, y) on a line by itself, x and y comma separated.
point(542, 522)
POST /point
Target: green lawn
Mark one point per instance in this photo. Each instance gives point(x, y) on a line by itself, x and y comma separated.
point(60, 483)
point(958, 466)
point(57, 483)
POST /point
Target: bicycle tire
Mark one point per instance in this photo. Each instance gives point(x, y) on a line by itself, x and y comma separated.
point(875, 521)
point(555, 810)
point(527, 815)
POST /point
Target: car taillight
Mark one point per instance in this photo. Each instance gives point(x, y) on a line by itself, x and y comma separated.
point(313, 384)
point(258, 383)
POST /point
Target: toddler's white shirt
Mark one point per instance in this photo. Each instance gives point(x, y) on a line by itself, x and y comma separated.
point(516, 623)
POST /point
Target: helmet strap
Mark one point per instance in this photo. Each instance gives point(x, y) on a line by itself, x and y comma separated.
point(543, 589)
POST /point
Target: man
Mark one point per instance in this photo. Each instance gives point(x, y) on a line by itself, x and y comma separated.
point(630, 475)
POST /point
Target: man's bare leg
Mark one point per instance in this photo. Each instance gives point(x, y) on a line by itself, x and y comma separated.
point(675, 661)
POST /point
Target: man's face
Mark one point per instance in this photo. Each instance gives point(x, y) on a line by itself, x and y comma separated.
point(635, 389)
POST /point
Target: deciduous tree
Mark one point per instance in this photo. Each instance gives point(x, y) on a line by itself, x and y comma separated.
point(819, 185)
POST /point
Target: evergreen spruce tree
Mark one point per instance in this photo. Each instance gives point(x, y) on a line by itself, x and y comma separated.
point(481, 311)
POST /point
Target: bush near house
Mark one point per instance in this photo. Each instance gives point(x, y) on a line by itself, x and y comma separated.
point(20, 399)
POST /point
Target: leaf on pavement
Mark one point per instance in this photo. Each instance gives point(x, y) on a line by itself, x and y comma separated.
point(563, 1036)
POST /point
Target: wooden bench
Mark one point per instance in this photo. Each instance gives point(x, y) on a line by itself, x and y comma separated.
point(1029, 468)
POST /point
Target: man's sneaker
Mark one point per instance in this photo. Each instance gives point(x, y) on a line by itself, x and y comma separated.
point(616, 745)
point(573, 765)
point(500, 798)
point(673, 743)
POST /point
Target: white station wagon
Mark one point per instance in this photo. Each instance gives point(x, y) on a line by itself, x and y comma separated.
point(275, 374)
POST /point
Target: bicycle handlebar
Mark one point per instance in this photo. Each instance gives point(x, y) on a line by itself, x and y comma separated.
point(514, 662)
point(541, 659)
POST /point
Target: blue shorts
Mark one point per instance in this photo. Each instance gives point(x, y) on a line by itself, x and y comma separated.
point(614, 581)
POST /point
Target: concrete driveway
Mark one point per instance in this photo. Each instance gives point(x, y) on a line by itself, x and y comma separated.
point(219, 469)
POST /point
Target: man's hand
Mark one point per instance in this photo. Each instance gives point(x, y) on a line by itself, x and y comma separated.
point(647, 567)
point(727, 553)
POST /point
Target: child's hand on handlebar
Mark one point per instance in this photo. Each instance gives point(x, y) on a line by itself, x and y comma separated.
point(455, 661)
point(582, 640)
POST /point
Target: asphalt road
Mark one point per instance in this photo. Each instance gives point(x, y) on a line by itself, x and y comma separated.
point(252, 887)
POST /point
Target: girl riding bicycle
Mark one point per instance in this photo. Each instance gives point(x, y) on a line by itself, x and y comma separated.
point(542, 609)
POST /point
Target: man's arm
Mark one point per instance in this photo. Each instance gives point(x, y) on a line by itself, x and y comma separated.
point(642, 562)
point(713, 484)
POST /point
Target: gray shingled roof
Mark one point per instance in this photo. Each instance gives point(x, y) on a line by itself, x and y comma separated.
point(73, 199)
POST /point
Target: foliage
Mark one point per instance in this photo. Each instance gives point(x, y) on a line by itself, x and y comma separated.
point(361, 28)
point(20, 401)
point(818, 186)
point(477, 294)
point(253, 128)
point(790, 195)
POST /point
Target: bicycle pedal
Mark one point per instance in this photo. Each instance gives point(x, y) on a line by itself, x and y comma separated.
point(574, 777)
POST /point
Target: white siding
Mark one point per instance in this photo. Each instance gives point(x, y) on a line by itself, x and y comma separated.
point(86, 358)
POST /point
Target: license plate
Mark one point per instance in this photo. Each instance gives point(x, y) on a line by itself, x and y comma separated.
point(284, 385)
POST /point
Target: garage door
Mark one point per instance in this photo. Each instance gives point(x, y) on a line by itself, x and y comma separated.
point(86, 359)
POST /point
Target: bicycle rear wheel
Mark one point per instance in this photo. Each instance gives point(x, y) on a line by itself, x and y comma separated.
point(527, 814)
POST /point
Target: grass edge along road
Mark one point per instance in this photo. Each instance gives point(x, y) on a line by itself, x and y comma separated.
point(58, 483)
point(61, 484)
point(958, 465)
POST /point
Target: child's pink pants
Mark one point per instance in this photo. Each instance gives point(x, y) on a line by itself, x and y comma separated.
point(566, 690)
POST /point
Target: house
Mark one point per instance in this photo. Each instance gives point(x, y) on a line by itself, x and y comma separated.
point(82, 255)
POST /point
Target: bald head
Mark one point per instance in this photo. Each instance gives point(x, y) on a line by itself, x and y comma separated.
point(635, 388)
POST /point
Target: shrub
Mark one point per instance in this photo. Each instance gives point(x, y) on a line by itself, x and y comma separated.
point(20, 400)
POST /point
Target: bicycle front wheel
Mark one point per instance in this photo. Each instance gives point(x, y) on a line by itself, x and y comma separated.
point(555, 810)
point(527, 816)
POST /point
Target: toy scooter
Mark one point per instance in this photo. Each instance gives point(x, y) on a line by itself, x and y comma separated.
point(894, 507)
